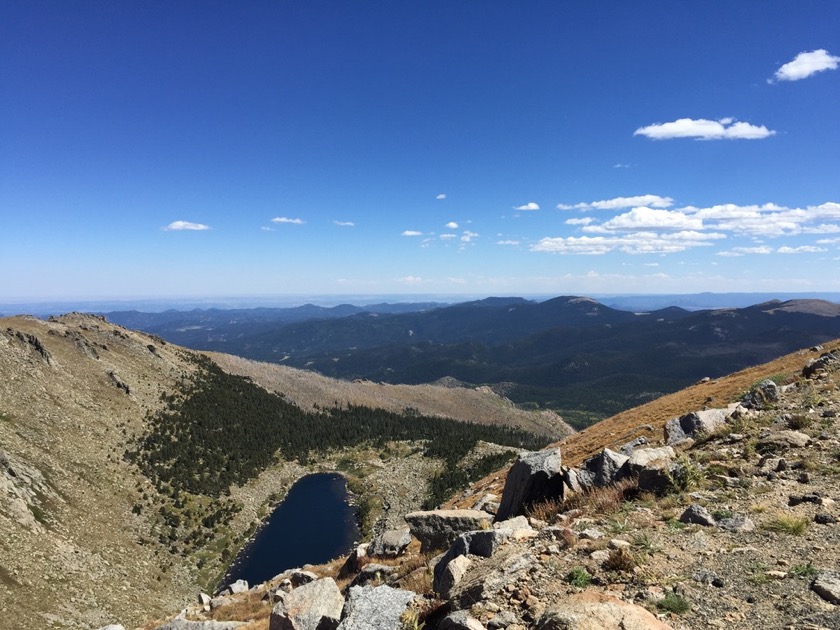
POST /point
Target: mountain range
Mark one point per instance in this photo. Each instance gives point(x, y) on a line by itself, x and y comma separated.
point(571, 354)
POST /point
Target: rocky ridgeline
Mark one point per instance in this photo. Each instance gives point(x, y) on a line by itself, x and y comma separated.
point(730, 520)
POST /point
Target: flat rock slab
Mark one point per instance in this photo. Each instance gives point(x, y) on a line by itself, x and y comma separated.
point(827, 586)
point(375, 608)
point(596, 611)
point(313, 606)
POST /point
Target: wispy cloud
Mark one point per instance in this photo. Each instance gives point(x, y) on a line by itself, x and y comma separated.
point(410, 280)
point(579, 221)
point(620, 165)
point(804, 249)
point(528, 206)
point(441, 196)
point(768, 219)
point(508, 242)
point(468, 236)
point(448, 236)
point(411, 233)
point(288, 220)
point(743, 251)
point(185, 225)
point(452, 225)
point(806, 64)
point(617, 203)
point(702, 129)
point(636, 243)
point(344, 223)
point(644, 218)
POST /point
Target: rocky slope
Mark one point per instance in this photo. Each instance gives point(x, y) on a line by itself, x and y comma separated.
point(725, 514)
point(79, 546)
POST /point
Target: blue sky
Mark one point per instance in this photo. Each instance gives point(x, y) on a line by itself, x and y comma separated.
point(166, 149)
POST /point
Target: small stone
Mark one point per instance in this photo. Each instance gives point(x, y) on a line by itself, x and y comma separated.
point(825, 519)
point(591, 533)
point(698, 515)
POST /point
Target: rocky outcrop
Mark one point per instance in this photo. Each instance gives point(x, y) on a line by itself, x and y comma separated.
point(534, 476)
point(685, 427)
point(438, 529)
point(375, 608)
point(313, 606)
point(390, 543)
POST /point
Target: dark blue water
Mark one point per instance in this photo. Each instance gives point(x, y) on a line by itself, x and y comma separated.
point(313, 524)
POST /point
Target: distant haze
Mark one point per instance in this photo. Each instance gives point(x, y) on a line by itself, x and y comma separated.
point(693, 301)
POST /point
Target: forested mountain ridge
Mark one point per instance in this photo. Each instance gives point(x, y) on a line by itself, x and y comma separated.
point(571, 354)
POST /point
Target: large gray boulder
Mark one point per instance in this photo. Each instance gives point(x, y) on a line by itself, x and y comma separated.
point(449, 574)
point(485, 579)
point(390, 543)
point(313, 606)
point(762, 396)
point(375, 608)
point(827, 586)
point(691, 424)
point(652, 468)
point(482, 543)
point(438, 529)
point(605, 468)
point(534, 476)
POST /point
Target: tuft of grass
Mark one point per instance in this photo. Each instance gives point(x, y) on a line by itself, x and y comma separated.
point(686, 475)
point(805, 569)
point(787, 524)
point(620, 561)
point(643, 542)
point(546, 510)
point(673, 603)
point(799, 421)
point(605, 500)
point(579, 577)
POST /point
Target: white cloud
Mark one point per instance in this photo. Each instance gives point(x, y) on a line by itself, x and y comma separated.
point(618, 203)
point(528, 206)
point(185, 225)
point(288, 220)
point(507, 242)
point(636, 243)
point(805, 64)
point(702, 129)
point(468, 236)
point(441, 196)
point(410, 280)
point(621, 165)
point(743, 251)
point(648, 219)
point(344, 223)
point(448, 237)
point(452, 225)
point(411, 233)
point(581, 221)
point(804, 249)
point(767, 220)
point(829, 241)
